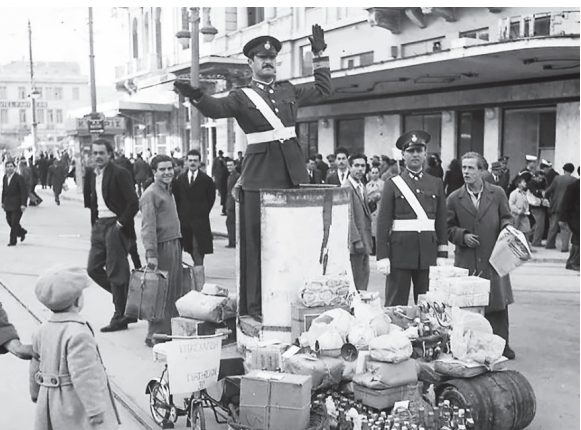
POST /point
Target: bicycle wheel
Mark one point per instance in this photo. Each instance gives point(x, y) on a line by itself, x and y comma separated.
point(197, 418)
point(159, 403)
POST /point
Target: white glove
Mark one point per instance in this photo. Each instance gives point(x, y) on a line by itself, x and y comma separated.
point(441, 261)
point(384, 266)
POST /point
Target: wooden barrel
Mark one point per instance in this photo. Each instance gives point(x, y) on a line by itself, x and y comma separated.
point(501, 400)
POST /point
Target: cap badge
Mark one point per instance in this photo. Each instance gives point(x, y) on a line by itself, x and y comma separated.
point(267, 46)
point(414, 138)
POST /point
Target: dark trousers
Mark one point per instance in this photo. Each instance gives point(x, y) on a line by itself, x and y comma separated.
point(538, 214)
point(360, 268)
point(134, 254)
point(573, 260)
point(231, 226)
point(13, 220)
point(250, 267)
point(556, 227)
point(108, 265)
point(499, 323)
point(397, 285)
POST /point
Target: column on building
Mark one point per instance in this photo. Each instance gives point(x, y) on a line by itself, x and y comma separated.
point(448, 137)
point(492, 134)
point(567, 135)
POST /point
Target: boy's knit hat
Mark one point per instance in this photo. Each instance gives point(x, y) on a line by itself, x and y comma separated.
point(59, 287)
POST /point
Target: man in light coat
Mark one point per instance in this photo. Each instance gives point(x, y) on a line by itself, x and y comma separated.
point(360, 238)
point(477, 212)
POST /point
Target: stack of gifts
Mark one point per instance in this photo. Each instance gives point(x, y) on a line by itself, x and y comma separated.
point(454, 287)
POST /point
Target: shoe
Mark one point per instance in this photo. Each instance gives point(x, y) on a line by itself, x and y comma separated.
point(509, 353)
point(115, 325)
point(550, 247)
point(571, 267)
point(130, 320)
point(23, 235)
point(11, 244)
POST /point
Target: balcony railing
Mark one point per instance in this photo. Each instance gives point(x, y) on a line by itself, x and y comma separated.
point(540, 24)
point(138, 66)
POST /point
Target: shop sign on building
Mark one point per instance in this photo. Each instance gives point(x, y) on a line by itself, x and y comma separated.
point(20, 104)
point(109, 125)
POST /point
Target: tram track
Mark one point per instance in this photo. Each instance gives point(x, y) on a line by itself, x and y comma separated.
point(136, 412)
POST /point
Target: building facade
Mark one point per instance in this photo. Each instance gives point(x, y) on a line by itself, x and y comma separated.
point(500, 81)
point(60, 88)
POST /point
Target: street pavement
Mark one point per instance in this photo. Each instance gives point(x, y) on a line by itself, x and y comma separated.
point(544, 318)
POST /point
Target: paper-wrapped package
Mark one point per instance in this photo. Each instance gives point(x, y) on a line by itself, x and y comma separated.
point(214, 290)
point(394, 374)
point(510, 251)
point(360, 335)
point(461, 301)
point(205, 307)
point(326, 291)
point(391, 348)
point(462, 285)
point(445, 272)
point(325, 371)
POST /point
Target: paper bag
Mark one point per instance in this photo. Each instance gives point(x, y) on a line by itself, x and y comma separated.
point(510, 251)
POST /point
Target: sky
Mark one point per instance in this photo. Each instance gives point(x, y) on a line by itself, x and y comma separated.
point(62, 34)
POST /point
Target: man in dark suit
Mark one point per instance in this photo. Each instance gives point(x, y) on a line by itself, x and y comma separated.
point(340, 175)
point(555, 193)
point(570, 214)
point(412, 234)
point(313, 172)
point(360, 237)
point(114, 202)
point(195, 193)
point(220, 176)
point(233, 176)
point(266, 111)
point(321, 165)
point(14, 198)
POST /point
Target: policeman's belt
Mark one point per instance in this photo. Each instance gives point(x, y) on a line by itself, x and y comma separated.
point(270, 135)
point(278, 132)
point(52, 381)
point(418, 225)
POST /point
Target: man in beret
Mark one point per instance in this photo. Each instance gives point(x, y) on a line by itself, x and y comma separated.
point(266, 111)
point(411, 223)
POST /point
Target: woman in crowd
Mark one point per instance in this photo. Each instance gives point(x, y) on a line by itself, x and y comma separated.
point(453, 178)
point(374, 188)
point(160, 233)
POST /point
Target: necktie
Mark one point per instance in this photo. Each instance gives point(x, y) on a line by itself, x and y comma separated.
point(191, 179)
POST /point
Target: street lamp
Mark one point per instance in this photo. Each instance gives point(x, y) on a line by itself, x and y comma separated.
point(192, 36)
point(34, 93)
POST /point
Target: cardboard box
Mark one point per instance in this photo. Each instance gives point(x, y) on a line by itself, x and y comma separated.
point(302, 317)
point(181, 326)
point(383, 399)
point(267, 356)
point(275, 401)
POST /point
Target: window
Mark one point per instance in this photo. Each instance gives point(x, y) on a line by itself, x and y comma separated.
point(255, 15)
point(308, 137)
point(22, 116)
point(231, 19)
point(40, 116)
point(421, 47)
point(352, 61)
point(470, 131)
point(3, 94)
point(542, 25)
point(22, 93)
point(480, 34)
point(50, 116)
point(58, 93)
point(350, 135)
point(430, 123)
point(306, 61)
point(134, 39)
point(76, 93)
point(528, 131)
point(48, 93)
point(3, 116)
point(59, 116)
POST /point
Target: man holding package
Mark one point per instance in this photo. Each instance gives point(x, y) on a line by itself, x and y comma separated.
point(411, 223)
point(266, 111)
point(477, 212)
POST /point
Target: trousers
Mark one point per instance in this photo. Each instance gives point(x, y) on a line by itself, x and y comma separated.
point(250, 265)
point(556, 227)
point(397, 285)
point(231, 226)
point(108, 265)
point(538, 214)
point(13, 219)
point(360, 268)
point(499, 322)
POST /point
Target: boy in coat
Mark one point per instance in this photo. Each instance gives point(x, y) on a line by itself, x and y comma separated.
point(477, 212)
point(67, 377)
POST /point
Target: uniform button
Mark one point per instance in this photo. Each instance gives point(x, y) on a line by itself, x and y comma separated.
point(276, 109)
point(271, 91)
point(274, 101)
point(433, 196)
point(417, 190)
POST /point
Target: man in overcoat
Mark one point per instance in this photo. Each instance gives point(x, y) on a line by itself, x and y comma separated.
point(411, 223)
point(14, 201)
point(360, 238)
point(195, 193)
point(266, 111)
point(477, 212)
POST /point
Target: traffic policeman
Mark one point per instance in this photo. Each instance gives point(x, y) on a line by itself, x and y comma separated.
point(411, 223)
point(266, 111)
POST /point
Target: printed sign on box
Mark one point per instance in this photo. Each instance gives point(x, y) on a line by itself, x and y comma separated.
point(193, 364)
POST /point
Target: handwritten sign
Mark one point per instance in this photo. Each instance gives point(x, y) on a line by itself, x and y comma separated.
point(193, 364)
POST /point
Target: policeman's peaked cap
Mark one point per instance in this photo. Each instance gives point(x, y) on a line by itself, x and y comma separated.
point(262, 45)
point(413, 138)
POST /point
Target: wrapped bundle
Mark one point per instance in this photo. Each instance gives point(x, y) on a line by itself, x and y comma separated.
point(445, 272)
point(393, 374)
point(326, 291)
point(325, 371)
point(206, 308)
point(391, 348)
point(214, 290)
point(461, 301)
point(462, 286)
point(328, 331)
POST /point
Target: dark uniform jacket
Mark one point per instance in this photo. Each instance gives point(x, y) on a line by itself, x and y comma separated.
point(15, 194)
point(492, 215)
point(119, 195)
point(270, 164)
point(194, 203)
point(411, 250)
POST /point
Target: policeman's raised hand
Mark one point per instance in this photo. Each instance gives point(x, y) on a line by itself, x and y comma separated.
point(384, 266)
point(185, 89)
point(471, 240)
point(317, 40)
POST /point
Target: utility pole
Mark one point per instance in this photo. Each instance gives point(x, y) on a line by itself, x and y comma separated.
point(195, 80)
point(33, 93)
point(92, 65)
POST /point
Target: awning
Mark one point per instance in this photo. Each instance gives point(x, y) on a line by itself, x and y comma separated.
point(115, 107)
